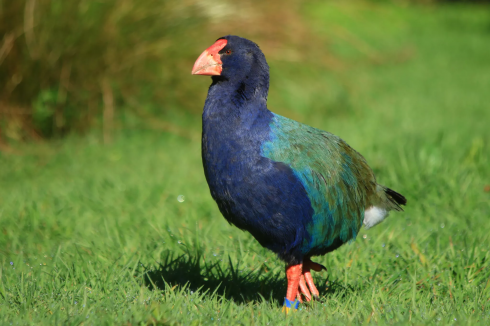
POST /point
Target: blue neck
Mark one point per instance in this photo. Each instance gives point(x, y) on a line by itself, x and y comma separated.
point(232, 99)
point(235, 120)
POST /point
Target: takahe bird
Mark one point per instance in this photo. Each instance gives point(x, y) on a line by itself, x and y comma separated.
point(298, 190)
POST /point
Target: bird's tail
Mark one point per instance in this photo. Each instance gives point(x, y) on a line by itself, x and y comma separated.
point(395, 198)
point(389, 200)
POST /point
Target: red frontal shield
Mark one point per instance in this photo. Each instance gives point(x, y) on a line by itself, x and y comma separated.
point(209, 62)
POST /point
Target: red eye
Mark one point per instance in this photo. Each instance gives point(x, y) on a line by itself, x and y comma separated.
point(228, 51)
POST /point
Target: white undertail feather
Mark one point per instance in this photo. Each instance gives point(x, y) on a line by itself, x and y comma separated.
point(373, 216)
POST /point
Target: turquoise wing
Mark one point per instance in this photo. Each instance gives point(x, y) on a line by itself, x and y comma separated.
point(339, 183)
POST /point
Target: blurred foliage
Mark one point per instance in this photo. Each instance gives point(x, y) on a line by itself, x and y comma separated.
point(63, 62)
point(69, 65)
point(65, 65)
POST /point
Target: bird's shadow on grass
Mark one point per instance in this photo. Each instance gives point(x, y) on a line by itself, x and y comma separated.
point(225, 279)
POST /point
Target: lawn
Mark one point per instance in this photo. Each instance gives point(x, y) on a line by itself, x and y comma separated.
point(127, 232)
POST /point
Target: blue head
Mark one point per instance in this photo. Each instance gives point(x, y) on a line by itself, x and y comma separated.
point(236, 63)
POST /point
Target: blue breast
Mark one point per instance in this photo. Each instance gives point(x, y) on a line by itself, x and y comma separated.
point(253, 192)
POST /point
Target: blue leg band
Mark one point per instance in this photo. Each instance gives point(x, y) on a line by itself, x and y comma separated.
point(291, 304)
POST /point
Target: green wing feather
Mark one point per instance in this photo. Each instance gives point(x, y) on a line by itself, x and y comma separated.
point(339, 183)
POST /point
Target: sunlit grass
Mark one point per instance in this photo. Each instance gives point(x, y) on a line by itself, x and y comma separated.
point(98, 234)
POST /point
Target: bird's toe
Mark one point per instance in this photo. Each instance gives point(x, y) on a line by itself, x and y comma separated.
point(303, 289)
point(314, 266)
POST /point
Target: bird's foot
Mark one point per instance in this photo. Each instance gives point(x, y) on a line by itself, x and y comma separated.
point(300, 282)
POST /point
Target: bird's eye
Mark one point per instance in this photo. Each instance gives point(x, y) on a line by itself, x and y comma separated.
point(228, 52)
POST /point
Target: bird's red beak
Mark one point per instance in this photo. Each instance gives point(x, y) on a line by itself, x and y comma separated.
point(209, 62)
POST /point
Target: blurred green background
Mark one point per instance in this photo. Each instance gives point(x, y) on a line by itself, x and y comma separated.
point(105, 215)
point(69, 66)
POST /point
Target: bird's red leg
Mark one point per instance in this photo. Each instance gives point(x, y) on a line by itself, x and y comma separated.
point(293, 273)
point(307, 266)
point(299, 280)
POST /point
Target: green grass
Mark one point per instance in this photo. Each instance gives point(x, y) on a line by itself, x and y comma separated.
point(95, 234)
